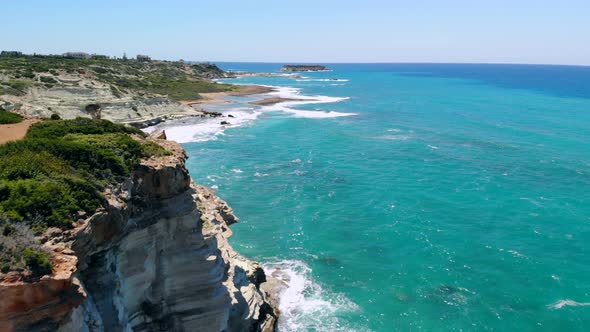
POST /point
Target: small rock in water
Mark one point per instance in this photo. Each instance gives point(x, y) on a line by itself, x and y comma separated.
point(225, 123)
point(230, 116)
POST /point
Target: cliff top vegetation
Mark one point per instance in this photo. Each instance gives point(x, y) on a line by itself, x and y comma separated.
point(55, 176)
point(177, 80)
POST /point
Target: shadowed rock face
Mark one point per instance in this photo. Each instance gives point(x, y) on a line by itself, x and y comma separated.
point(156, 259)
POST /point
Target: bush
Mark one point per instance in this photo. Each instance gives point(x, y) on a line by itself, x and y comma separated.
point(58, 129)
point(48, 79)
point(37, 261)
point(28, 74)
point(7, 117)
point(55, 116)
point(20, 251)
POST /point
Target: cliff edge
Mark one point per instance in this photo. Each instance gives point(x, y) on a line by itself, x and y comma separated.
point(155, 258)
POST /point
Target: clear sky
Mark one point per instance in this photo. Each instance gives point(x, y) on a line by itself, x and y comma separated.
point(484, 31)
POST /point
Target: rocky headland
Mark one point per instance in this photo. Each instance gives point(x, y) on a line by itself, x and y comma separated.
point(127, 91)
point(154, 257)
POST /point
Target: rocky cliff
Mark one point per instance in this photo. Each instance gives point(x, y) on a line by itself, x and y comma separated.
point(127, 91)
point(157, 258)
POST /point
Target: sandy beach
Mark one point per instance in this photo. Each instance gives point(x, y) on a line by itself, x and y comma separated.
point(217, 97)
point(272, 101)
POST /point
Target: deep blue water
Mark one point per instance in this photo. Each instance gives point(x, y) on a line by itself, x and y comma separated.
point(412, 196)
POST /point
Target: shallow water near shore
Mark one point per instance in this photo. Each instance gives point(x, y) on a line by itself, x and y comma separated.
point(413, 197)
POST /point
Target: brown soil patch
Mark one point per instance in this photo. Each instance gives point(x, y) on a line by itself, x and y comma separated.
point(217, 97)
point(15, 131)
point(272, 101)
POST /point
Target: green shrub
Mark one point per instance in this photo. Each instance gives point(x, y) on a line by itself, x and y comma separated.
point(56, 200)
point(55, 116)
point(37, 261)
point(48, 79)
point(27, 164)
point(7, 117)
point(153, 149)
point(57, 129)
point(21, 251)
point(28, 74)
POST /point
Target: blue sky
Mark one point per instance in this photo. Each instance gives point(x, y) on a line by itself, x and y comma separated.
point(500, 31)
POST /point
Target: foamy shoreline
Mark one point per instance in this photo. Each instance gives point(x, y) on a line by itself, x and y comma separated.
point(272, 99)
point(302, 301)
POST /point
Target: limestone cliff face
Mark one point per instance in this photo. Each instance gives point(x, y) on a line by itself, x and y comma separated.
point(156, 259)
point(76, 91)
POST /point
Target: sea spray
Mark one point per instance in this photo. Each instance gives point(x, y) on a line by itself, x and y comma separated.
point(304, 304)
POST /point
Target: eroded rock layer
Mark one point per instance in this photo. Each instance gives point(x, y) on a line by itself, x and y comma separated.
point(156, 259)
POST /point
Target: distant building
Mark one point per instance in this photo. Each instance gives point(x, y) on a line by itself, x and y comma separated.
point(143, 58)
point(76, 55)
point(99, 56)
point(11, 54)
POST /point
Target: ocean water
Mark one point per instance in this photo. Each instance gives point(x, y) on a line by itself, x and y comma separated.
point(411, 196)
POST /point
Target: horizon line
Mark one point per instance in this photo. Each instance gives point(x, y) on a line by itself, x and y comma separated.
point(400, 62)
point(347, 62)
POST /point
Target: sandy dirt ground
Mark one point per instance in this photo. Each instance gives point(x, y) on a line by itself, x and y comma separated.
point(217, 97)
point(16, 131)
point(272, 101)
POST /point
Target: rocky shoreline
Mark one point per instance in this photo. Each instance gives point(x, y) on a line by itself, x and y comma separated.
point(272, 101)
point(156, 258)
point(208, 98)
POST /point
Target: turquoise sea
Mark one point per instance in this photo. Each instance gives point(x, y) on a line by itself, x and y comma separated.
point(411, 196)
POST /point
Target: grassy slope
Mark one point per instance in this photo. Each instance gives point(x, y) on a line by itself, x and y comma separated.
point(177, 80)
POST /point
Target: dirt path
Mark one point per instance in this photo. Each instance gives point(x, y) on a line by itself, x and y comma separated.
point(16, 131)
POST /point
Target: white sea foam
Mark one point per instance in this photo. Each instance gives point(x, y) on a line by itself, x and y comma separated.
point(205, 129)
point(295, 93)
point(567, 303)
point(237, 170)
point(304, 304)
point(323, 80)
point(394, 137)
